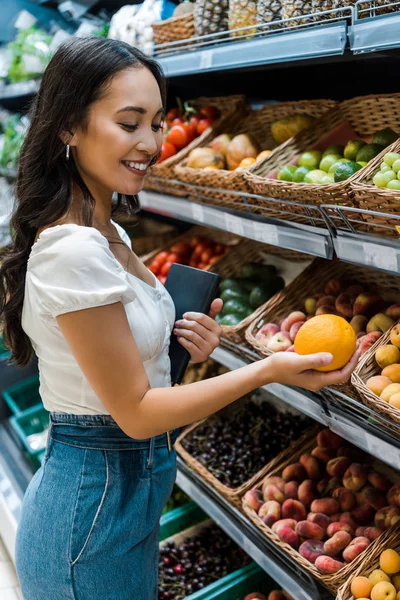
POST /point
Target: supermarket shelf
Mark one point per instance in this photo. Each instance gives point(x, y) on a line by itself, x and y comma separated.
point(342, 414)
point(373, 30)
point(302, 238)
point(270, 558)
point(379, 253)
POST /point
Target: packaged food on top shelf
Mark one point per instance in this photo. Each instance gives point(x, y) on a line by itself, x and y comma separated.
point(210, 16)
point(269, 11)
point(242, 14)
point(179, 26)
point(326, 505)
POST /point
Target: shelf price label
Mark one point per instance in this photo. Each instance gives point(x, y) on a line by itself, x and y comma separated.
point(206, 59)
point(266, 233)
point(234, 224)
point(380, 257)
point(198, 213)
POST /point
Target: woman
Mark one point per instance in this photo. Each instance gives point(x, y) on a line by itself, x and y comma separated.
point(75, 294)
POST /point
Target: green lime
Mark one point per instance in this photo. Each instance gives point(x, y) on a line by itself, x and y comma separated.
point(368, 152)
point(396, 166)
point(382, 179)
point(346, 170)
point(384, 167)
point(328, 161)
point(300, 173)
point(314, 176)
point(286, 173)
point(334, 149)
point(362, 163)
point(310, 159)
point(336, 164)
point(385, 137)
point(328, 179)
point(390, 158)
point(394, 184)
point(352, 149)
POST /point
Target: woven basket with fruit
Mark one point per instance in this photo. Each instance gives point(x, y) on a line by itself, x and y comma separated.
point(325, 506)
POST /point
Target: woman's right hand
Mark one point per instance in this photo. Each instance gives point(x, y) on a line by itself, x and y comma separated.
point(290, 368)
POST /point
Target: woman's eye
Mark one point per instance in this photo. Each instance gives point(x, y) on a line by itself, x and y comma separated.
point(128, 127)
point(158, 127)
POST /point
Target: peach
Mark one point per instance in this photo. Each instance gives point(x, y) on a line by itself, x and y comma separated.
point(253, 499)
point(290, 349)
point(355, 477)
point(287, 535)
point(294, 472)
point(337, 467)
point(377, 384)
point(347, 517)
point(320, 519)
point(364, 514)
point(270, 512)
point(328, 506)
point(267, 331)
point(355, 548)
point(311, 465)
point(359, 323)
point(387, 355)
point(327, 300)
point(272, 492)
point(372, 533)
point(395, 336)
point(393, 311)
point(368, 304)
point(380, 322)
point(337, 543)
point(326, 309)
point(380, 482)
point(360, 531)
point(344, 305)
point(360, 335)
point(392, 372)
point(328, 565)
point(368, 341)
point(286, 522)
point(335, 518)
point(393, 495)
point(361, 587)
point(279, 342)
point(334, 287)
point(291, 490)
point(377, 576)
point(293, 509)
point(338, 526)
point(390, 562)
point(389, 391)
point(383, 591)
point(375, 498)
point(334, 483)
point(355, 290)
point(306, 492)
point(323, 454)
point(387, 517)
point(311, 549)
point(310, 304)
point(310, 531)
point(328, 439)
point(345, 498)
point(295, 328)
point(284, 325)
point(322, 487)
point(295, 317)
point(278, 481)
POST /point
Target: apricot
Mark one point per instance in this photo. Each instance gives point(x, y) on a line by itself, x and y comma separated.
point(395, 335)
point(395, 581)
point(395, 401)
point(377, 576)
point(308, 530)
point(337, 467)
point(392, 372)
point(287, 535)
point(361, 587)
point(311, 465)
point(389, 391)
point(383, 591)
point(291, 490)
point(306, 492)
point(293, 509)
point(295, 472)
point(378, 383)
point(311, 549)
point(328, 506)
point(337, 543)
point(390, 562)
point(253, 499)
point(328, 565)
point(387, 355)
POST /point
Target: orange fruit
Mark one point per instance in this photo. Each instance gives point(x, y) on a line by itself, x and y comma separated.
point(327, 333)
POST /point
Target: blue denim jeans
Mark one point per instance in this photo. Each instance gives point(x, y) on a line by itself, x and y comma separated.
point(90, 518)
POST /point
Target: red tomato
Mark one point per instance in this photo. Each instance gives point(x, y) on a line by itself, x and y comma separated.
point(165, 268)
point(173, 258)
point(180, 136)
point(214, 259)
point(172, 114)
point(154, 268)
point(161, 257)
point(206, 256)
point(162, 279)
point(194, 121)
point(180, 248)
point(219, 248)
point(200, 248)
point(195, 240)
point(197, 253)
point(177, 121)
point(211, 112)
point(203, 125)
point(201, 266)
point(167, 150)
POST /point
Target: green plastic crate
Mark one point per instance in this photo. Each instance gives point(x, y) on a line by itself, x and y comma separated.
point(180, 518)
point(237, 585)
point(23, 395)
point(33, 420)
point(4, 352)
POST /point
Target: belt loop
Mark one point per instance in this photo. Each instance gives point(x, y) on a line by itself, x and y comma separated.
point(169, 443)
point(150, 460)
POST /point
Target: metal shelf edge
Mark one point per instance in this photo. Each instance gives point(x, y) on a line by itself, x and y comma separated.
point(378, 253)
point(374, 34)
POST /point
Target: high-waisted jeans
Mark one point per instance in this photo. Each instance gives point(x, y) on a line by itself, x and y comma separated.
point(90, 518)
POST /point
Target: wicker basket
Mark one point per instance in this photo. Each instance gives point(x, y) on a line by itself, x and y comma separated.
point(231, 107)
point(233, 495)
point(250, 251)
point(331, 582)
point(370, 562)
point(174, 29)
point(369, 197)
point(366, 368)
point(147, 235)
point(258, 125)
point(359, 117)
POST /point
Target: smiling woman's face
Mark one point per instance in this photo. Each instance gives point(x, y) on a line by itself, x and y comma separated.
point(122, 135)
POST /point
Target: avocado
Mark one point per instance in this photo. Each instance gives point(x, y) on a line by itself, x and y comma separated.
point(229, 283)
point(259, 295)
point(237, 307)
point(229, 294)
point(257, 271)
point(230, 320)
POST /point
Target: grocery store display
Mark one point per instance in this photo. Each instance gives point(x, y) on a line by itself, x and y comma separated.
point(242, 14)
point(196, 558)
point(210, 17)
point(13, 129)
point(177, 498)
point(326, 504)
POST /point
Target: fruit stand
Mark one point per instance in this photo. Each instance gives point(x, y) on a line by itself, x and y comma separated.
point(280, 171)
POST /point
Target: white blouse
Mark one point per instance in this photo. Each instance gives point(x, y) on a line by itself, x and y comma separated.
point(70, 268)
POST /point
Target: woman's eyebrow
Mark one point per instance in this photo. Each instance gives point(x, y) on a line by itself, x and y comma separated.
point(138, 109)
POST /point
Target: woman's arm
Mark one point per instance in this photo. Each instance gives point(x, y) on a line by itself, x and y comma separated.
point(103, 346)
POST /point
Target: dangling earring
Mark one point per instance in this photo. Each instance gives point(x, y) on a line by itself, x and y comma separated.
point(67, 150)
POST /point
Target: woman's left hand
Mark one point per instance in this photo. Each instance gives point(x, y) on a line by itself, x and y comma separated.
point(199, 333)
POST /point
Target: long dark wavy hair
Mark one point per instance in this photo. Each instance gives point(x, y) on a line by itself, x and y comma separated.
point(76, 77)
